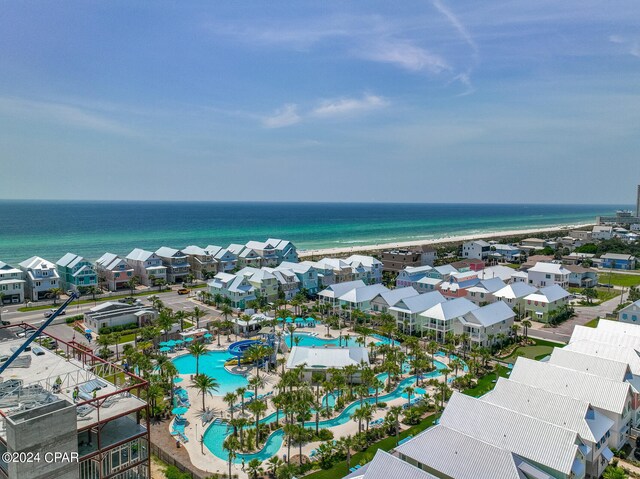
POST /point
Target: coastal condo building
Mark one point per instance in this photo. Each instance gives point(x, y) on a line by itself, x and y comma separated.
point(106, 425)
point(41, 276)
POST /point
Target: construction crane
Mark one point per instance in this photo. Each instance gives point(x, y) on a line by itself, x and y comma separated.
point(72, 295)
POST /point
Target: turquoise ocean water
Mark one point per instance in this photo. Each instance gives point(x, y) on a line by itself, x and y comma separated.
point(52, 228)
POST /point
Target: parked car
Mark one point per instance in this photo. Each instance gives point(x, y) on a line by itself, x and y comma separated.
point(53, 310)
point(184, 291)
point(5, 322)
point(25, 334)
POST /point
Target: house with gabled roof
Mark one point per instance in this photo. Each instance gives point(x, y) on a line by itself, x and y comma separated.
point(484, 325)
point(385, 300)
point(441, 318)
point(226, 261)
point(235, 287)
point(202, 262)
point(76, 273)
point(544, 304)
point(114, 272)
point(147, 266)
point(11, 284)
point(41, 277)
point(176, 263)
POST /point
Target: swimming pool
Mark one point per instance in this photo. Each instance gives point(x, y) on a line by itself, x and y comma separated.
point(309, 340)
point(212, 364)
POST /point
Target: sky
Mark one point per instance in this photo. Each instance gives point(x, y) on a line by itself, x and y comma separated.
point(412, 101)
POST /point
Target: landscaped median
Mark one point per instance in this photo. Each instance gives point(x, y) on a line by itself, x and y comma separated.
point(538, 350)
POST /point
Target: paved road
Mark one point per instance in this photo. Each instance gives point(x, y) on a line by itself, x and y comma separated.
point(584, 314)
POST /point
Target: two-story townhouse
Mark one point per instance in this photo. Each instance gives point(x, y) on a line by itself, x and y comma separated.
point(342, 271)
point(630, 314)
point(114, 272)
point(546, 274)
point(288, 282)
point(265, 250)
point(410, 275)
point(581, 277)
point(601, 232)
point(147, 266)
point(201, 261)
point(442, 272)
point(458, 284)
point(505, 252)
point(545, 303)
point(360, 298)
point(483, 292)
point(235, 287)
point(441, 318)
point(514, 295)
point(484, 325)
point(226, 261)
point(11, 284)
point(478, 249)
point(406, 310)
point(387, 299)
point(176, 263)
point(324, 272)
point(76, 273)
point(306, 273)
point(617, 261)
point(41, 276)
point(534, 243)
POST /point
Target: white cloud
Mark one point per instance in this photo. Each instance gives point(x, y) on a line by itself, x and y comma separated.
point(616, 39)
point(457, 24)
point(346, 106)
point(62, 114)
point(635, 50)
point(405, 55)
point(285, 116)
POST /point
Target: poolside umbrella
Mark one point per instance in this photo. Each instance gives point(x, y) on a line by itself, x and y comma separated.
point(280, 320)
point(163, 343)
point(87, 331)
point(299, 320)
point(289, 320)
point(208, 335)
point(178, 380)
point(171, 343)
point(178, 341)
point(179, 410)
point(309, 318)
point(165, 349)
point(188, 340)
point(248, 394)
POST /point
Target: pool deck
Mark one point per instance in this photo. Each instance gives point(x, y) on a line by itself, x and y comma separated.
point(194, 429)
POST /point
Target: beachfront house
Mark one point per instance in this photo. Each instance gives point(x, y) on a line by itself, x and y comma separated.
point(331, 294)
point(268, 253)
point(41, 277)
point(406, 310)
point(235, 287)
point(263, 280)
point(602, 232)
point(176, 263)
point(396, 260)
point(319, 360)
point(202, 263)
point(306, 273)
point(113, 313)
point(483, 291)
point(546, 274)
point(505, 252)
point(387, 299)
point(226, 261)
point(478, 249)
point(76, 273)
point(410, 276)
point(617, 261)
point(246, 257)
point(484, 325)
point(285, 250)
point(534, 243)
point(341, 271)
point(11, 284)
point(441, 318)
point(630, 314)
point(288, 282)
point(581, 277)
point(544, 304)
point(114, 272)
point(147, 266)
point(442, 272)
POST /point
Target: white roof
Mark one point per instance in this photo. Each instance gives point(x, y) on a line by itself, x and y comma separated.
point(386, 466)
point(490, 314)
point(460, 456)
point(450, 309)
point(417, 269)
point(603, 367)
point(70, 260)
point(432, 281)
point(420, 303)
point(393, 296)
point(600, 392)
point(214, 250)
point(625, 257)
point(625, 354)
point(620, 327)
point(195, 250)
point(139, 255)
point(166, 252)
point(498, 271)
point(8, 268)
point(488, 285)
point(549, 294)
point(368, 261)
point(445, 269)
point(549, 268)
point(110, 261)
point(338, 289)
point(323, 358)
point(365, 293)
point(567, 412)
point(36, 262)
point(544, 443)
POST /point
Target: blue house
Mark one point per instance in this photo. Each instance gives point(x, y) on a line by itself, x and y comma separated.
point(617, 261)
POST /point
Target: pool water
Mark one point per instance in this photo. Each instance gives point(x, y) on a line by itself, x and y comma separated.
point(308, 340)
point(212, 364)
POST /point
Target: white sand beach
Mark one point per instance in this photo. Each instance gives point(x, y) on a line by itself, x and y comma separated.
point(434, 241)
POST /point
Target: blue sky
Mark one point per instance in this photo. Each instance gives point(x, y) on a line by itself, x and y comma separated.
point(431, 101)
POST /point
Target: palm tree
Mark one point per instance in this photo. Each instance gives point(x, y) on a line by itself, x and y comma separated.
point(116, 339)
point(104, 341)
point(347, 443)
point(240, 393)
point(165, 321)
point(197, 350)
point(231, 445)
point(205, 385)
point(409, 390)
point(394, 414)
point(257, 408)
point(526, 324)
point(198, 313)
point(55, 293)
point(256, 383)
point(230, 399)
point(132, 283)
point(255, 468)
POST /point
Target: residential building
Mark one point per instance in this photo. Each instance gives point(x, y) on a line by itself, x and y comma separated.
point(505, 252)
point(147, 266)
point(264, 282)
point(483, 291)
point(331, 293)
point(236, 288)
point(442, 272)
point(582, 235)
point(534, 243)
point(226, 261)
point(514, 295)
point(288, 282)
point(611, 398)
point(458, 284)
point(335, 270)
point(360, 298)
point(617, 261)
point(107, 424)
point(396, 260)
point(317, 359)
point(41, 276)
point(581, 277)
point(387, 299)
point(285, 250)
point(484, 325)
point(441, 318)
point(111, 313)
point(427, 284)
point(470, 264)
point(369, 267)
point(113, 272)
point(546, 274)
point(519, 277)
point(407, 309)
point(497, 271)
point(11, 284)
point(602, 233)
point(269, 253)
point(176, 263)
point(202, 262)
point(478, 249)
point(385, 466)
point(410, 275)
point(429, 255)
point(545, 303)
point(307, 275)
point(76, 273)
point(630, 314)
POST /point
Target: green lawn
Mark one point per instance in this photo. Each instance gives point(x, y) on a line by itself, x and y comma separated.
point(486, 383)
point(537, 351)
point(25, 309)
point(604, 294)
point(620, 279)
point(593, 323)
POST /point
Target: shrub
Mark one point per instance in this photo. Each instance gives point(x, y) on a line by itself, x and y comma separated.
point(325, 435)
point(172, 472)
point(117, 329)
point(73, 319)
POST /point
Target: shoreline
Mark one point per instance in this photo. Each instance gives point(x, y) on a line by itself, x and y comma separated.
point(435, 241)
